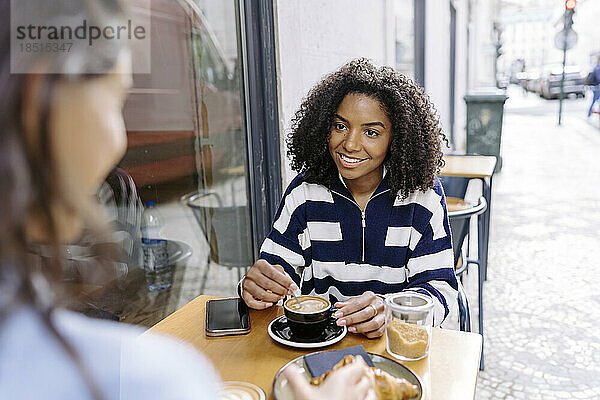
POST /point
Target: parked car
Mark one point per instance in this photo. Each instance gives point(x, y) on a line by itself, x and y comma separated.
point(532, 80)
point(521, 79)
point(551, 77)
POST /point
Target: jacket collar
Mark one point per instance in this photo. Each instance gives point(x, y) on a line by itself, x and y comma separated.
point(340, 186)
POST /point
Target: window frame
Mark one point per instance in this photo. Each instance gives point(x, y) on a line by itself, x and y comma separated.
point(419, 26)
point(257, 37)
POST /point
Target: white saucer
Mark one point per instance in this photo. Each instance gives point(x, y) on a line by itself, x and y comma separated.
point(301, 344)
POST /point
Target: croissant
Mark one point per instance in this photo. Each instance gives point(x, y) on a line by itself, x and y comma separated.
point(386, 386)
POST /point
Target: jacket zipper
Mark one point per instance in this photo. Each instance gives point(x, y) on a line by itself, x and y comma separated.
point(363, 214)
point(364, 223)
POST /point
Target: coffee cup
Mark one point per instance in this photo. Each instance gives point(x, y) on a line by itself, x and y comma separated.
point(309, 316)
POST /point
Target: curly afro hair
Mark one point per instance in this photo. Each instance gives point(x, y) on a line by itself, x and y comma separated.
point(414, 156)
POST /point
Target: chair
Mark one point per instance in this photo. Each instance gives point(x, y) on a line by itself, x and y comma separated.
point(454, 186)
point(226, 229)
point(459, 226)
point(455, 189)
point(475, 167)
point(459, 215)
point(118, 194)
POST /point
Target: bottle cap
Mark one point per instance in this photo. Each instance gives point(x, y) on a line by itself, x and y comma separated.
point(150, 204)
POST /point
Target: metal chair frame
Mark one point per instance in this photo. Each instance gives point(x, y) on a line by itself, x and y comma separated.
point(460, 253)
point(202, 219)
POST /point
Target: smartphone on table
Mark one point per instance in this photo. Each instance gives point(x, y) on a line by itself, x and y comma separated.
point(227, 317)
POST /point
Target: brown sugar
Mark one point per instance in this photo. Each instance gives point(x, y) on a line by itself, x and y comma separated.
point(408, 340)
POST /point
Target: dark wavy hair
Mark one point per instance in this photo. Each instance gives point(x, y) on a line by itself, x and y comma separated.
point(414, 156)
point(28, 182)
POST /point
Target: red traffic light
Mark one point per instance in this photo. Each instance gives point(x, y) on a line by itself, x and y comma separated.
point(570, 4)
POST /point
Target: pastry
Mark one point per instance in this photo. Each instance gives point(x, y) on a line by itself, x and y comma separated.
point(386, 386)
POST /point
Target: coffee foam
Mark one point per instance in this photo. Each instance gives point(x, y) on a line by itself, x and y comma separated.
point(308, 304)
point(241, 391)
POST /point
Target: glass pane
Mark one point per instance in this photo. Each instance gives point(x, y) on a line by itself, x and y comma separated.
point(186, 152)
point(405, 37)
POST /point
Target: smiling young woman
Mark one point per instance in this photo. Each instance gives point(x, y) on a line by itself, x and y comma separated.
point(366, 215)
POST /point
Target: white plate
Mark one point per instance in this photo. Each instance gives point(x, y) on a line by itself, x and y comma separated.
point(281, 389)
point(301, 345)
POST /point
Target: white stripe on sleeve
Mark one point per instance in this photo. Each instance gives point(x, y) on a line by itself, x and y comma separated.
point(429, 262)
point(432, 202)
point(450, 295)
point(304, 239)
point(294, 259)
point(296, 198)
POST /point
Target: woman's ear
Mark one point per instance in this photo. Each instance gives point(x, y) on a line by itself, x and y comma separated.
point(388, 154)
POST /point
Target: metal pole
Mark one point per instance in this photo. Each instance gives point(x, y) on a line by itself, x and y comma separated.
point(562, 79)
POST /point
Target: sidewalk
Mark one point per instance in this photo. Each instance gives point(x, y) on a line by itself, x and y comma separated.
point(542, 301)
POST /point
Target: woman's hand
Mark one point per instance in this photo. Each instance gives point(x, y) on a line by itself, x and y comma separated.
point(347, 383)
point(362, 314)
point(265, 284)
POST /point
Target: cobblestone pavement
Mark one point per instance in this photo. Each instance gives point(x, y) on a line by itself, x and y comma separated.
point(541, 299)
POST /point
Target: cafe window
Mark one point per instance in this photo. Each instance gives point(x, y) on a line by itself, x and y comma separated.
point(409, 38)
point(404, 37)
point(188, 153)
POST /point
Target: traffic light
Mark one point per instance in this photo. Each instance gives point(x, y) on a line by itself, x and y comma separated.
point(570, 4)
point(569, 11)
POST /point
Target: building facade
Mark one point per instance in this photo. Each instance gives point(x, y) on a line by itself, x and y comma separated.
point(529, 28)
point(444, 45)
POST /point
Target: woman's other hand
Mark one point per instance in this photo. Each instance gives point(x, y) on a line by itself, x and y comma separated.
point(362, 314)
point(347, 383)
point(265, 284)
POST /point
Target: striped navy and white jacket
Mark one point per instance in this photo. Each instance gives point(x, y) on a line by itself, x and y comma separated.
point(332, 249)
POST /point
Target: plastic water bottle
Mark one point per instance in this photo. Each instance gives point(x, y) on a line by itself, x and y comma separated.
point(159, 274)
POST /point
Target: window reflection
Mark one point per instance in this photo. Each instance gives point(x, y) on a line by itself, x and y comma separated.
point(187, 152)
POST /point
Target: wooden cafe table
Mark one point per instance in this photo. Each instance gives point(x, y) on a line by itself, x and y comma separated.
point(450, 371)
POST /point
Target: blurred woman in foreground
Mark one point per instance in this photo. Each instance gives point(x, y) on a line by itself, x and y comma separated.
point(60, 135)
